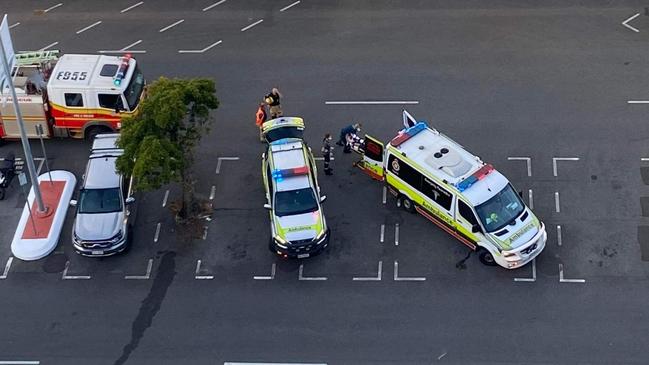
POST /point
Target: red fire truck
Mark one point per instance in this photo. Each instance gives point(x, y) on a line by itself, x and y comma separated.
point(71, 95)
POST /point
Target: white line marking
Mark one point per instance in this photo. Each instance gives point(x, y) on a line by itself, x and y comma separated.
point(382, 233)
point(15, 25)
point(530, 196)
point(271, 277)
point(200, 50)
point(638, 102)
point(127, 48)
point(122, 51)
point(313, 278)
point(557, 206)
point(88, 27)
point(371, 102)
point(65, 275)
point(251, 25)
point(644, 159)
point(372, 278)
point(212, 192)
point(630, 19)
point(131, 45)
point(157, 232)
point(397, 278)
point(289, 6)
point(385, 195)
point(396, 234)
point(533, 278)
point(201, 277)
point(52, 8)
point(215, 4)
point(562, 280)
point(19, 362)
point(269, 363)
point(220, 159)
point(131, 7)
point(559, 235)
point(7, 267)
point(171, 25)
point(441, 356)
point(528, 160)
point(49, 46)
point(149, 266)
point(204, 233)
point(164, 200)
point(555, 159)
point(322, 158)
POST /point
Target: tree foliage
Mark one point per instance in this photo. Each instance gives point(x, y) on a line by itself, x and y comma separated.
point(159, 141)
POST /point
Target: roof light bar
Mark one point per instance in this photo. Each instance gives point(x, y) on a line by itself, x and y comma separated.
point(296, 171)
point(476, 176)
point(407, 133)
point(121, 72)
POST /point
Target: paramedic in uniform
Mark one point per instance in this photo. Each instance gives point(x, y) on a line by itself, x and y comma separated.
point(272, 100)
point(260, 119)
point(327, 152)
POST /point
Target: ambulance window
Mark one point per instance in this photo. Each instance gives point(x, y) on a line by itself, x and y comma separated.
point(466, 212)
point(269, 179)
point(373, 150)
point(110, 101)
point(73, 100)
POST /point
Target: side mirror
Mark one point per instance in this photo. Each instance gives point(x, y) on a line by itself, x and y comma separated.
point(73, 203)
point(475, 228)
point(323, 198)
point(267, 206)
point(129, 200)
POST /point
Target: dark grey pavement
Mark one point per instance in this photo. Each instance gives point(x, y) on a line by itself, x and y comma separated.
point(505, 79)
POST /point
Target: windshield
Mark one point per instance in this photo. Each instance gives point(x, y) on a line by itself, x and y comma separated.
point(501, 209)
point(99, 201)
point(134, 89)
point(293, 202)
point(284, 132)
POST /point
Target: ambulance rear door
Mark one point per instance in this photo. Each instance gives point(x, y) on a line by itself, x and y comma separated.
point(372, 162)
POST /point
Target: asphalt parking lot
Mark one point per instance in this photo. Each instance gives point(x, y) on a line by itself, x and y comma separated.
point(553, 95)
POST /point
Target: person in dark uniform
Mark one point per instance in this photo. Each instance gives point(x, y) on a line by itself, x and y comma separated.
point(346, 133)
point(272, 99)
point(327, 153)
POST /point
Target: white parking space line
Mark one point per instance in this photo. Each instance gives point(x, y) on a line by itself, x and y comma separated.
point(212, 192)
point(146, 276)
point(638, 102)
point(125, 49)
point(564, 280)
point(288, 6)
point(528, 161)
point(131, 7)
point(65, 275)
point(271, 363)
point(322, 158)
point(559, 235)
point(271, 277)
point(14, 25)
point(441, 356)
point(557, 206)
point(300, 275)
point(49, 46)
point(7, 267)
point(555, 159)
point(221, 159)
point(201, 277)
point(378, 276)
point(371, 102)
point(626, 22)
point(396, 234)
point(171, 26)
point(645, 159)
point(157, 232)
point(19, 362)
point(52, 8)
point(213, 5)
point(397, 278)
point(382, 238)
point(530, 198)
point(385, 195)
point(89, 27)
point(164, 200)
point(251, 25)
point(533, 278)
point(205, 233)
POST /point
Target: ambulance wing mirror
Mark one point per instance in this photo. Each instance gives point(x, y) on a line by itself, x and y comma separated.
point(476, 229)
point(267, 206)
point(73, 203)
point(323, 198)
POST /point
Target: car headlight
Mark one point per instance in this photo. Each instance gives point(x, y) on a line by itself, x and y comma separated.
point(116, 238)
point(280, 241)
point(320, 235)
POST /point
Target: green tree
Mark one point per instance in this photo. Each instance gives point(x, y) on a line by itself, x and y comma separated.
point(159, 141)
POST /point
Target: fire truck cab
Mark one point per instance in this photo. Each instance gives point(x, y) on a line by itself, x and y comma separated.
point(72, 96)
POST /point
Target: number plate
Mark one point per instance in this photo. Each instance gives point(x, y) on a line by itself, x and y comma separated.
point(303, 255)
point(94, 252)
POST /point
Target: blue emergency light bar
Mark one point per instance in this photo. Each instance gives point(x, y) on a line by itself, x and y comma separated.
point(407, 133)
point(121, 72)
point(477, 176)
point(279, 175)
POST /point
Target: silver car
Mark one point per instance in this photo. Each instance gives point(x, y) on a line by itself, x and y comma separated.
point(105, 207)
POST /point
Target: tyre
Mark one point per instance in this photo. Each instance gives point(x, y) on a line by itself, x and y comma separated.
point(486, 257)
point(407, 204)
point(92, 132)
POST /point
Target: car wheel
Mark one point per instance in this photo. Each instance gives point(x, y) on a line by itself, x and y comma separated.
point(407, 204)
point(92, 132)
point(486, 257)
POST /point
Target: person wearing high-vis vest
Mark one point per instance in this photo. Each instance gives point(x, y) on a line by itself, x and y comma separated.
point(261, 118)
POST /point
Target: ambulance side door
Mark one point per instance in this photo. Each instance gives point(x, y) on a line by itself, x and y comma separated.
point(466, 221)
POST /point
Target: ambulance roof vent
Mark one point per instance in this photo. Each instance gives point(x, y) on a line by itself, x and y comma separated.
point(449, 161)
point(108, 70)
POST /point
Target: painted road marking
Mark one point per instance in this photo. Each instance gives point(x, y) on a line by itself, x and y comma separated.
point(127, 48)
point(271, 277)
point(385, 195)
point(288, 6)
point(644, 159)
point(49, 46)
point(14, 25)
point(563, 280)
point(397, 278)
point(322, 158)
point(251, 25)
point(530, 197)
point(212, 192)
point(164, 200)
point(555, 159)
point(213, 5)
point(270, 363)
point(65, 275)
point(382, 233)
point(7, 267)
point(19, 362)
point(638, 102)
point(300, 275)
point(221, 159)
point(204, 233)
point(528, 161)
point(557, 206)
point(157, 232)
point(131, 7)
point(559, 235)
point(378, 276)
point(441, 356)
point(200, 50)
point(396, 234)
point(89, 27)
point(201, 277)
point(625, 23)
point(146, 276)
point(52, 8)
point(533, 278)
point(171, 25)
point(371, 102)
